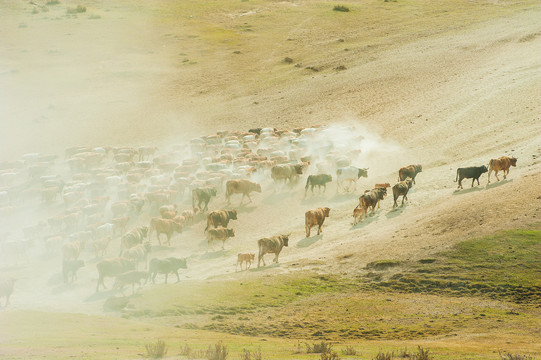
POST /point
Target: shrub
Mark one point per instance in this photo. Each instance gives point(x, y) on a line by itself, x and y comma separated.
point(53, 2)
point(341, 8)
point(156, 350)
point(322, 347)
point(186, 350)
point(76, 10)
point(248, 355)
point(508, 356)
point(349, 350)
point(384, 356)
point(219, 352)
point(404, 353)
point(422, 354)
point(331, 355)
point(288, 60)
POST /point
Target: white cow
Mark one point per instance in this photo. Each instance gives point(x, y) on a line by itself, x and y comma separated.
point(350, 174)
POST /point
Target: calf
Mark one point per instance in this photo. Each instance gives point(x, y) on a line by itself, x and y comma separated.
point(401, 189)
point(473, 172)
point(315, 217)
point(272, 245)
point(166, 266)
point(221, 234)
point(112, 268)
point(247, 258)
point(358, 213)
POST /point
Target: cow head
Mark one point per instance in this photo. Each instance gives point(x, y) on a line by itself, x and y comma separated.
point(513, 161)
point(409, 182)
point(363, 173)
point(230, 232)
point(176, 226)
point(327, 178)
point(144, 231)
point(484, 169)
point(232, 214)
point(298, 169)
point(285, 239)
point(418, 168)
point(381, 192)
point(257, 187)
point(326, 211)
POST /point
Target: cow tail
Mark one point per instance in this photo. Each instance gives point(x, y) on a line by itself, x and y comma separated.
point(456, 175)
point(490, 164)
point(307, 182)
point(193, 199)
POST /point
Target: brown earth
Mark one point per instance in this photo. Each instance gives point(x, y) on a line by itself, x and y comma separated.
point(445, 93)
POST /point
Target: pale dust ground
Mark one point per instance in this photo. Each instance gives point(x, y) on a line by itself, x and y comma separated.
point(444, 101)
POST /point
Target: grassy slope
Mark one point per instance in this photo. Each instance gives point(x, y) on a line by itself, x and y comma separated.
point(362, 311)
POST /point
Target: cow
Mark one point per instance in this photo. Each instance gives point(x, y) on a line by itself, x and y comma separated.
point(472, 172)
point(130, 278)
point(6, 289)
point(350, 174)
point(164, 226)
point(100, 246)
point(221, 234)
point(220, 218)
point(401, 189)
point(503, 163)
point(168, 211)
point(271, 245)
point(247, 258)
point(138, 253)
point(72, 249)
point(111, 268)
point(146, 151)
point(286, 172)
point(165, 266)
point(242, 186)
point(315, 217)
point(410, 171)
point(317, 180)
point(372, 198)
point(202, 195)
point(190, 214)
point(133, 237)
point(69, 269)
point(358, 213)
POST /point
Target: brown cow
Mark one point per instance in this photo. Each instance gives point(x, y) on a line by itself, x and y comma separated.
point(244, 187)
point(164, 226)
point(247, 258)
point(220, 218)
point(371, 198)
point(315, 217)
point(221, 234)
point(272, 245)
point(401, 189)
point(503, 163)
point(410, 171)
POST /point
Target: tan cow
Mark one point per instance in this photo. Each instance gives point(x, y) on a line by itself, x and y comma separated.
point(246, 258)
point(315, 217)
point(358, 213)
point(242, 186)
point(503, 163)
point(164, 226)
point(410, 171)
point(271, 245)
point(221, 234)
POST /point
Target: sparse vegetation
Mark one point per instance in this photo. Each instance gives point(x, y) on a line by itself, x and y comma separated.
point(508, 356)
point(341, 8)
point(156, 350)
point(384, 356)
point(218, 352)
point(76, 10)
point(422, 354)
point(349, 350)
point(186, 350)
point(251, 355)
point(53, 2)
point(316, 348)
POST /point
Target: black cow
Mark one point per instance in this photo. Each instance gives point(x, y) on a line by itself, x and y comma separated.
point(165, 266)
point(202, 195)
point(371, 198)
point(473, 172)
point(317, 180)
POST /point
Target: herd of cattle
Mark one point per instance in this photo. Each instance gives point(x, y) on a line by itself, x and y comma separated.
point(104, 195)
